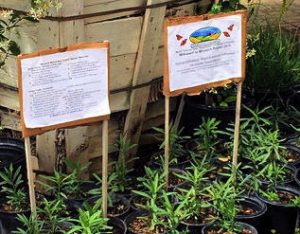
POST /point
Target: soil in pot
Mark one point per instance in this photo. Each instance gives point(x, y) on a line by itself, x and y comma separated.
point(292, 155)
point(252, 211)
point(136, 202)
point(120, 206)
point(174, 180)
point(118, 226)
point(195, 224)
point(281, 217)
point(214, 229)
point(138, 223)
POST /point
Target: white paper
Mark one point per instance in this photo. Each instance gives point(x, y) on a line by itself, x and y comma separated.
point(64, 87)
point(204, 52)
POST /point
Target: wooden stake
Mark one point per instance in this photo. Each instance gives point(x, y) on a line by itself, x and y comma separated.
point(30, 177)
point(237, 128)
point(104, 166)
point(167, 140)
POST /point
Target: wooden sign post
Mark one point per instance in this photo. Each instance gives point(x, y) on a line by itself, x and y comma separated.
point(62, 88)
point(203, 52)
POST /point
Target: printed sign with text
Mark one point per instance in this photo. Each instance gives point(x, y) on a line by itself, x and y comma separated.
point(60, 88)
point(204, 51)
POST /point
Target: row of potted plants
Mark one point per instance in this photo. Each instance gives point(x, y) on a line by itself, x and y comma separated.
point(205, 194)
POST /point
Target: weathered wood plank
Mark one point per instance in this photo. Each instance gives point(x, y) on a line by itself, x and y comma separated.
point(149, 44)
point(22, 5)
point(9, 98)
point(46, 151)
point(48, 35)
point(124, 34)
point(46, 145)
point(9, 120)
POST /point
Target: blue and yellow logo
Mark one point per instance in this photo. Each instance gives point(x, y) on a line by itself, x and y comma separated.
point(205, 34)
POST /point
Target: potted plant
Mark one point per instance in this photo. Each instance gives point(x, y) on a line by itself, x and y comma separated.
point(282, 203)
point(90, 221)
point(224, 200)
point(51, 218)
point(15, 200)
point(179, 155)
point(118, 204)
point(207, 137)
point(123, 182)
point(274, 69)
point(12, 152)
point(68, 187)
point(216, 103)
point(149, 219)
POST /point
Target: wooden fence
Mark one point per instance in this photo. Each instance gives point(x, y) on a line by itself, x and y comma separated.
point(135, 33)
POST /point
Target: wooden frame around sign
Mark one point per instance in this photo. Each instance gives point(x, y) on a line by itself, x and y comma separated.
point(36, 131)
point(192, 19)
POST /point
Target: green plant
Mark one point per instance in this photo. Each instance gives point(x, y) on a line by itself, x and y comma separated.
point(223, 197)
point(226, 6)
point(64, 185)
point(54, 213)
point(208, 134)
point(120, 169)
point(276, 61)
point(221, 96)
point(174, 213)
point(60, 184)
point(30, 225)
point(90, 221)
point(152, 191)
point(12, 185)
point(176, 142)
point(49, 218)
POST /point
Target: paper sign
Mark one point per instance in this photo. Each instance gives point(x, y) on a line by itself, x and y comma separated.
point(63, 87)
point(204, 52)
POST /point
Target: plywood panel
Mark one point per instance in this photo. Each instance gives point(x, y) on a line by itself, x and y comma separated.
point(23, 5)
point(124, 34)
point(121, 71)
point(9, 98)
point(9, 120)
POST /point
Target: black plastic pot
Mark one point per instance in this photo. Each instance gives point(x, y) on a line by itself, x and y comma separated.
point(119, 226)
point(206, 228)
point(192, 228)
point(115, 199)
point(12, 152)
point(297, 177)
point(195, 110)
point(74, 204)
point(181, 164)
point(132, 217)
point(9, 220)
point(295, 150)
point(256, 219)
point(280, 217)
point(266, 97)
point(287, 182)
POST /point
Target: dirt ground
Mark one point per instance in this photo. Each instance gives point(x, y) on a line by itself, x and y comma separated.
point(291, 20)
